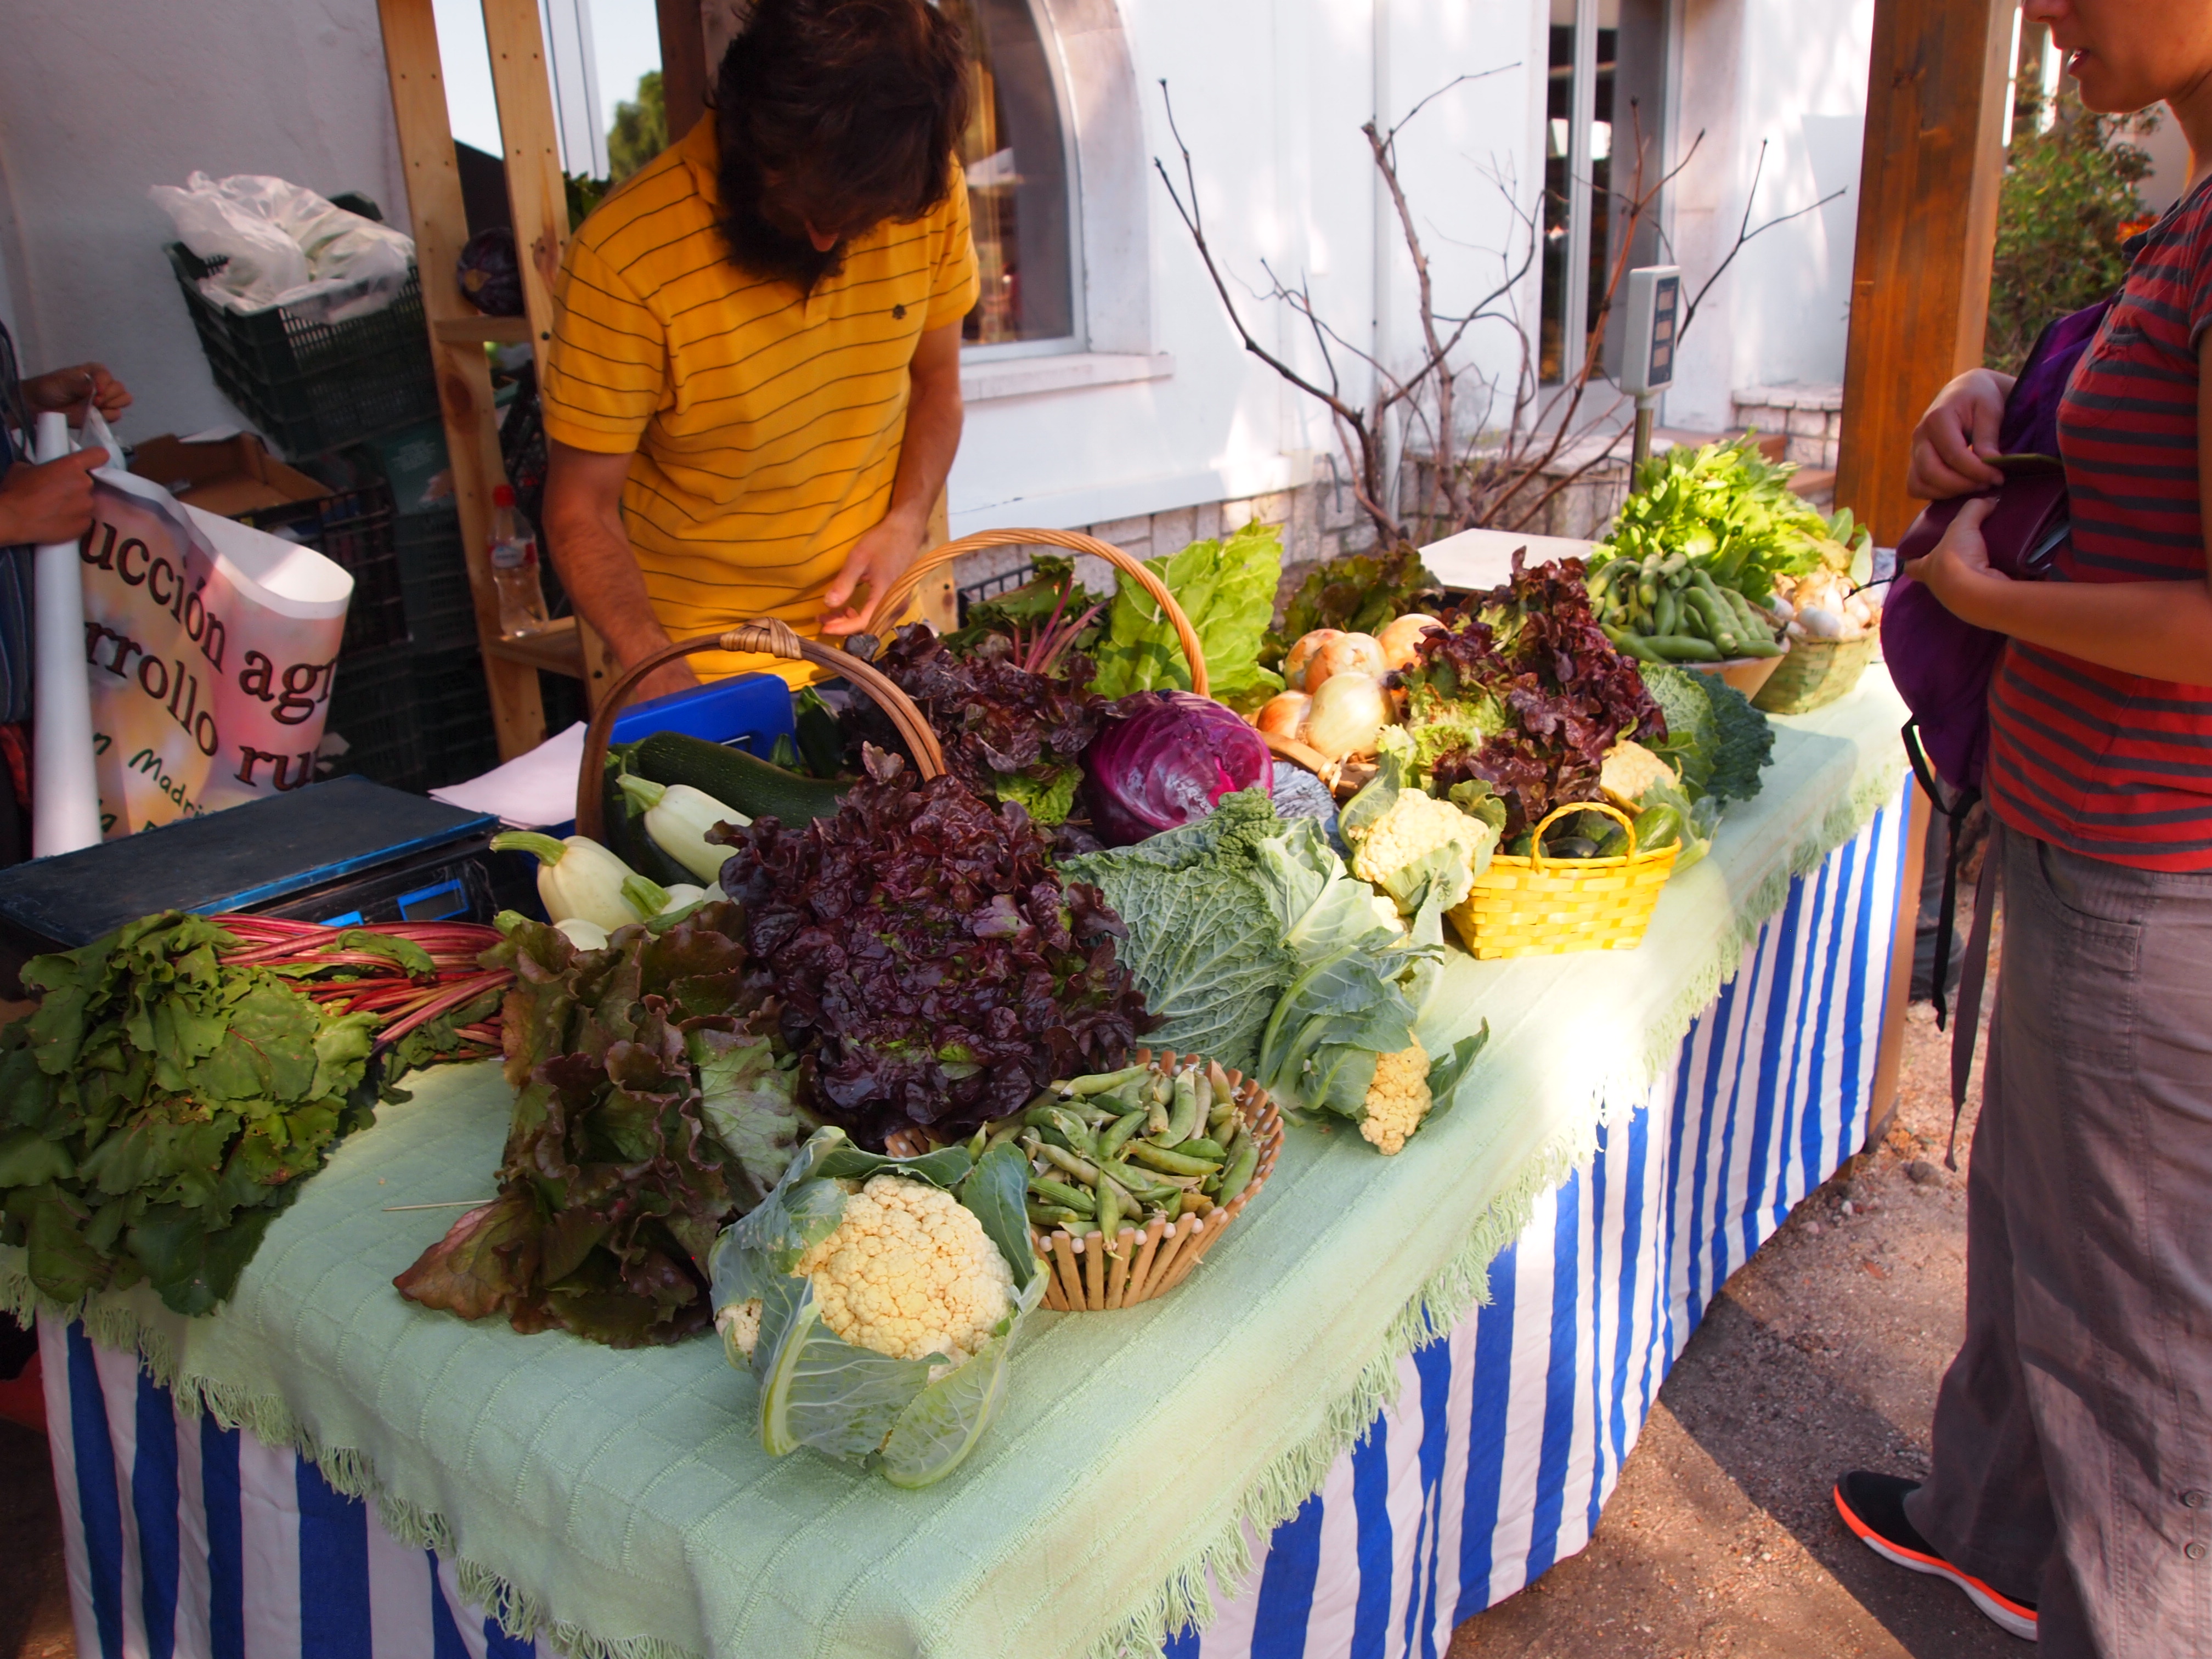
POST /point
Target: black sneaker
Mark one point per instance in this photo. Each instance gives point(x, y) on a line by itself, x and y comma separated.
point(1873, 1506)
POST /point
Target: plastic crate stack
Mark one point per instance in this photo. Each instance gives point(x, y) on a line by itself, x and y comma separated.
point(356, 403)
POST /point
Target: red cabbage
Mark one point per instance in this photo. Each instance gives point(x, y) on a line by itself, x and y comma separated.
point(1162, 761)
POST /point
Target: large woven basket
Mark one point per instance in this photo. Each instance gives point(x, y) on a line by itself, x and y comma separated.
point(777, 639)
point(1540, 907)
point(1143, 1265)
point(1815, 673)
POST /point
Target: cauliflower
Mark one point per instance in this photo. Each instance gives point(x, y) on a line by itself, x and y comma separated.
point(739, 1323)
point(909, 1272)
point(1395, 851)
point(1397, 1100)
point(1630, 768)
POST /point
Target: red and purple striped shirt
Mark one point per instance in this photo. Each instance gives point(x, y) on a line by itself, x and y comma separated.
point(2118, 766)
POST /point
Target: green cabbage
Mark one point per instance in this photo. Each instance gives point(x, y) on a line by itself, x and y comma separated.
point(1205, 945)
point(849, 1402)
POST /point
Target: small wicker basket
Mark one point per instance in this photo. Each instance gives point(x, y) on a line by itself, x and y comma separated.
point(1815, 673)
point(1149, 1263)
point(1540, 907)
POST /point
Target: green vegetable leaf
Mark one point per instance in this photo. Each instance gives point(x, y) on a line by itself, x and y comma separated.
point(62, 1262)
point(27, 1159)
point(749, 1099)
point(1744, 745)
point(819, 1390)
point(1046, 793)
point(1204, 943)
point(1226, 589)
point(995, 1191)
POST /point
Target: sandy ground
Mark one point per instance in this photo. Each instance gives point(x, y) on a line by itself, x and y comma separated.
point(1822, 1354)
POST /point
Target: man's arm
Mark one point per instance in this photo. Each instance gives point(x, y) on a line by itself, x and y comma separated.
point(933, 416)
point(2159, 630)
point(591, 550)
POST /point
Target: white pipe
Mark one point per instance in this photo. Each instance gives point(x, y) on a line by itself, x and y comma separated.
point(65, 795)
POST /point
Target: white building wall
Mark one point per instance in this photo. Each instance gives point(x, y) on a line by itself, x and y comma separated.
point(1794, 74)
point(101, 99)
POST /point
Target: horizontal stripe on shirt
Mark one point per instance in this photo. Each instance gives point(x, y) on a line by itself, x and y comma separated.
point(2118, 766)
point(764, 424)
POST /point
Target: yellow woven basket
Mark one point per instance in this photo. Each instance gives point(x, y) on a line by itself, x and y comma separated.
point(1540, 907)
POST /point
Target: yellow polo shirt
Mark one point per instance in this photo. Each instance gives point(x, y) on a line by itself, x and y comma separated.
point(765, 424)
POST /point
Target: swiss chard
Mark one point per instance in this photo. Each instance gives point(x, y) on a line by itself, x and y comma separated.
point(653, 1102)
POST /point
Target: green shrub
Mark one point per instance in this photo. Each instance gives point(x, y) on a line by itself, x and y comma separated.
point(2069, 201)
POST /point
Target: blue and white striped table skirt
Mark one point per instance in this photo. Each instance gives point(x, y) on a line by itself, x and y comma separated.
point(186, 1540)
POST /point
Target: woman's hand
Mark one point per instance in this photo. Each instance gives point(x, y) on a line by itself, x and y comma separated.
point(1957, 438)
point(1957, 569)
point(67, 391)
point(854, 602)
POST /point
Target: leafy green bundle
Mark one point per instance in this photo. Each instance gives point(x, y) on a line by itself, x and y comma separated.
point(1227, 590)
point(654, 1102)
point(1727, 509)
point(1715, 739)
point(160, 1110)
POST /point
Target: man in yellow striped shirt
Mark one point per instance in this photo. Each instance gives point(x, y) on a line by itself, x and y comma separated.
point(752, 394)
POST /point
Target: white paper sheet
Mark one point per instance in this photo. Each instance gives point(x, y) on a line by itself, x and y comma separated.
point(530, 791)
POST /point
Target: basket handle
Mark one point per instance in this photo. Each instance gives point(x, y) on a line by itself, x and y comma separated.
point(1536, 843)
point(776, 639)
point(900, 592)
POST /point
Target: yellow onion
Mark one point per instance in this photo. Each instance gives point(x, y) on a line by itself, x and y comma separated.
point(1283, 714)
point(1295, 658)
point(1401, 640)
point(1348, 714)
point(1348, 653)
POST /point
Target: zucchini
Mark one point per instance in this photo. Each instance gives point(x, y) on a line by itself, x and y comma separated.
point(748, 783)
point(625, 834)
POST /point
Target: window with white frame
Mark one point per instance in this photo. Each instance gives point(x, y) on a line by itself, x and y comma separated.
point(1016, 152)
point(1603, 115)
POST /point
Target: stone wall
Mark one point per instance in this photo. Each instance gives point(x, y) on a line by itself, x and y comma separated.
point(1811, 417)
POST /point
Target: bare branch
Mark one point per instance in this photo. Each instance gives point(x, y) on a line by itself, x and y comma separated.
point(1744, 234)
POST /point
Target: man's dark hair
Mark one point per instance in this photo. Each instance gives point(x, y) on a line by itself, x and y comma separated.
point(843, 113)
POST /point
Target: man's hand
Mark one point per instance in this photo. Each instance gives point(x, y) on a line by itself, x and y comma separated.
point(68, 391)
point(590, 549)
point(1957, 438)
point(1957, 569)
point(872, 568)
point(48, 502)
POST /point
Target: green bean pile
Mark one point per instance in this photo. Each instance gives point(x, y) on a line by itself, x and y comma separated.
point(1665, 607)
point(1120, 1149)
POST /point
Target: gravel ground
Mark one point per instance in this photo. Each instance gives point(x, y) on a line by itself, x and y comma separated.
point(1822, 1354)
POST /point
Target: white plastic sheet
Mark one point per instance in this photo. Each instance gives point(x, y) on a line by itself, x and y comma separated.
point(283, 244)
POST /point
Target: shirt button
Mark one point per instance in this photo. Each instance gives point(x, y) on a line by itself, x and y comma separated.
point(2193, 1500)
point(2195, 1551)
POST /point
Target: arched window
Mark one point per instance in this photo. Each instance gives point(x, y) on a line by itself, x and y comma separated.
point(1016, 153)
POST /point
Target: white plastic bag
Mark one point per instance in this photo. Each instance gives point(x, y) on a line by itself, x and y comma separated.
point(285, 245)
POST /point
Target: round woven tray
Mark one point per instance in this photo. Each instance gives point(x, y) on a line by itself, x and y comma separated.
point(1815, 673)
point(1149, 1263)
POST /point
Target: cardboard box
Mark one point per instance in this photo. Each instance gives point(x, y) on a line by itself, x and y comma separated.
point(233, 476)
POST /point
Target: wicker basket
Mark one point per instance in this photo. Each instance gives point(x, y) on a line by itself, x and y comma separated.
point(895, 602)
point(1085, 1279)
point(1746, 674)
point(1540, 907)
point(1815, 673)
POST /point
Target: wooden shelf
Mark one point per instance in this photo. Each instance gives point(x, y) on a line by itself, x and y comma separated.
point(473, 330)
point(558, 647)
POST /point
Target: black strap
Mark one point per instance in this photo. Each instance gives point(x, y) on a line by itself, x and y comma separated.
point(1971, 978)
point(1955, 805)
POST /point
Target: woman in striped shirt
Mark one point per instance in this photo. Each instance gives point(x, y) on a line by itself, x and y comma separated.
point(2071, 1492)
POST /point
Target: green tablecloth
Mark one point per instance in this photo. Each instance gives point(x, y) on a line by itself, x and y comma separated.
point(621, 1501)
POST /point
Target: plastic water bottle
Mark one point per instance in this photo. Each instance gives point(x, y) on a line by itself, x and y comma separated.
point(514, 567)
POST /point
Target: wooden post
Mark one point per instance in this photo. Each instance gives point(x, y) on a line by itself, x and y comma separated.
point(1927, 230)
point(457, 336)
point(685, 74)
point(1889, 1054)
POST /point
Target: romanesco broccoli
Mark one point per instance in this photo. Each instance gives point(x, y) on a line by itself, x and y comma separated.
point(1397, 1100)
